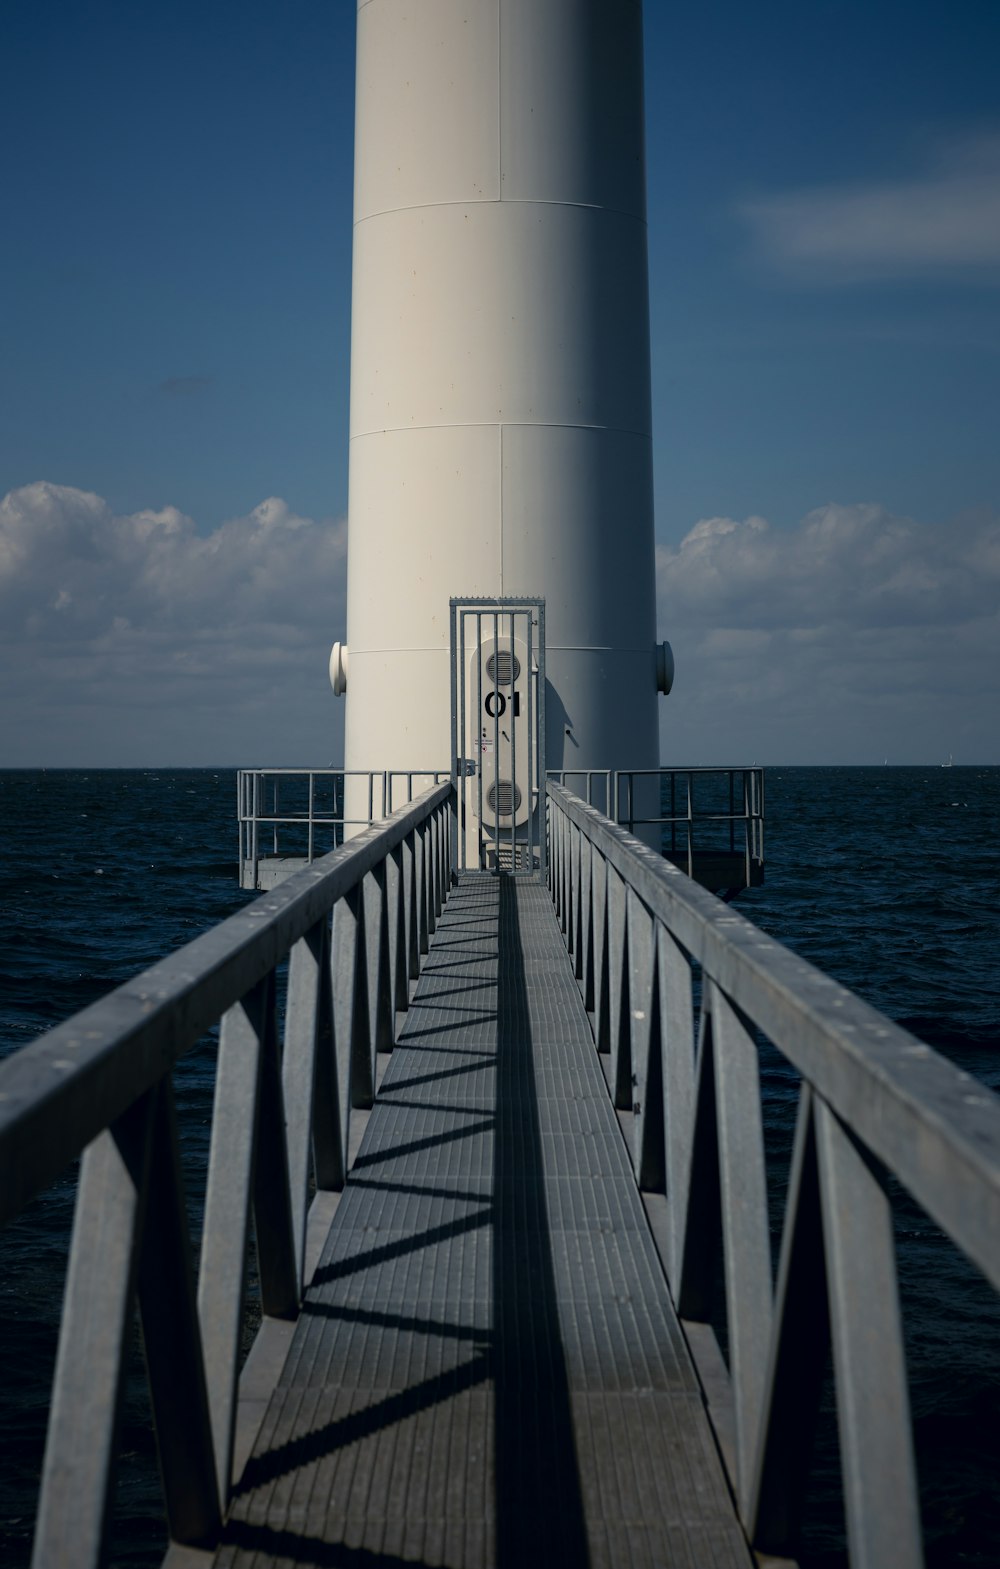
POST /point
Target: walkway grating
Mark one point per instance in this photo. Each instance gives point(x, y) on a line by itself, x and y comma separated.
point(487, 1369)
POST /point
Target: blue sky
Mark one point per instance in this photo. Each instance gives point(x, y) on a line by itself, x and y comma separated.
point(775, 388)
point(824, 204)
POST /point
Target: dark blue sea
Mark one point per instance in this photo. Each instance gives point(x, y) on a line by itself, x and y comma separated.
point(888, 878)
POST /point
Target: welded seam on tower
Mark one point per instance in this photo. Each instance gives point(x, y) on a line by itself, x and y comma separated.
point(510, 201)
point(522, 424)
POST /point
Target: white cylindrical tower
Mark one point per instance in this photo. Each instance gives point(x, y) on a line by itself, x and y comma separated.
point(500, 407)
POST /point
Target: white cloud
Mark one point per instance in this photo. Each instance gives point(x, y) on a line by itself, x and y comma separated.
point(853, 634)
point(944, 220)
point(138, 638)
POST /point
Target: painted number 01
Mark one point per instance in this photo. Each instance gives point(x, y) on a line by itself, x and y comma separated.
point(496, 705)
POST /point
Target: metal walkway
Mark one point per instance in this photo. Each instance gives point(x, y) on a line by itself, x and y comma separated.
point(487, 1368)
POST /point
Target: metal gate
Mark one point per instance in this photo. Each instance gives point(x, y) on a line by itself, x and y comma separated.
point(498, 735)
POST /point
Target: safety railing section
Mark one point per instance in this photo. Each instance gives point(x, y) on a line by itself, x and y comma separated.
point(295, 815)
point(353, 928)
point(700, 812)
point(874, 1104)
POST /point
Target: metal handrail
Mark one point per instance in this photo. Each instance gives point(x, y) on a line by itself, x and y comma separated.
point(874, 1100)
point(745, 817)
point(101, 1083)
point(254, 784)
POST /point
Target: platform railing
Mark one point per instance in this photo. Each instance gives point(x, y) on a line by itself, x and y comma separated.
point(300, 812)
point(353, 928)
point(696, 809)
point(645, 942)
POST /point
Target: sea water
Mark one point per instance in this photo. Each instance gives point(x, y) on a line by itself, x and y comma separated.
point(887, 878)
point(102, 873)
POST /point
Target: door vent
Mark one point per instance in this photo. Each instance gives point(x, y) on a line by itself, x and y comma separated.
point(503, 667)
point(504, 797)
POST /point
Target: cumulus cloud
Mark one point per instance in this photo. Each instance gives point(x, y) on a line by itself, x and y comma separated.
point(943, 220)
point(139, 638)
point(855, 633)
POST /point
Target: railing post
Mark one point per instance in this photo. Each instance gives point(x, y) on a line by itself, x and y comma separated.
point(329, 1135)
point(873, 1407)
point(221, 1277)
point(172, 1341)
point(800, 1343)
point(411, 924)
point(732, 810)
point(255, 841)
point(444, 840)
point(424, 927)
point(587, 922)
point(430, 849)
point(272, 1207)
point(435, 867)
point(455, 819)
point(554, 815)
point(397, 930)
point(602, 1026)
point(380, 1012)
point(619, 1005)
point(645, 1052)
point(350, 1003)
point(79, 1468)
point(308, 1033)
point(677, 1048)
point(700, 1226)
point(744, 1224)
point(576, 922)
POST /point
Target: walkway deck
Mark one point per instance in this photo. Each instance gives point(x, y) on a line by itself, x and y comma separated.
point(487, 1369)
